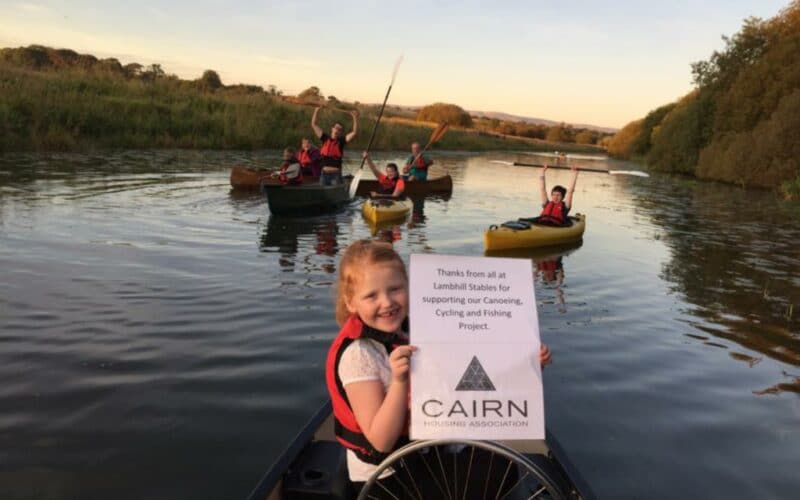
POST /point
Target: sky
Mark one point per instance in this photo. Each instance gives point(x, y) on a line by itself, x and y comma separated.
point(603, 63)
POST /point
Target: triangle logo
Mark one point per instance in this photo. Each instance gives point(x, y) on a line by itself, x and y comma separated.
point(475, 378)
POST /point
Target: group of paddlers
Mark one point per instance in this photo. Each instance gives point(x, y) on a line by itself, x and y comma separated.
point(325, 163)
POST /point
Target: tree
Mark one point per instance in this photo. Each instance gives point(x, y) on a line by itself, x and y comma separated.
point(152, 72)
point(133, 70)
point(311, 94)
point(621, 144)
point(210, 80)
point(585, 137)
point(441, 112)
point(557, 133)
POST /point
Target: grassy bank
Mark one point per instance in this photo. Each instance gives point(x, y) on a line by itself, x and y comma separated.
point(83, 109)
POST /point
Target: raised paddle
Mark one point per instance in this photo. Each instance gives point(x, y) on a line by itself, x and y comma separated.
point(437, 134)
point(323, 106)
point(637, 173)
point(357, 177)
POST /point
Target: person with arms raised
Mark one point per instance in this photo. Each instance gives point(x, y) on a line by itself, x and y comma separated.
point(332, 149)
point(556, 208)
point(391, 185)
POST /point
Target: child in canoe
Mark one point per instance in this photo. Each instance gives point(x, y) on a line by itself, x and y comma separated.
point(290, 172)
point(555, 210)
point(391, 185)
point(367, 367)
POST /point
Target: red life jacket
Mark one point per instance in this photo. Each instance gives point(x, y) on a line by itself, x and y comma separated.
point(554, 213)
point(304, 157)
point(294, 180)
point(387, 185)
point(346, 427)
point(419, 163)
point(548, 265)
point(332, 151)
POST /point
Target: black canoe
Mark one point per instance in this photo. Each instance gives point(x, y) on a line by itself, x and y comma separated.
point(307, 199)
point(314, 466)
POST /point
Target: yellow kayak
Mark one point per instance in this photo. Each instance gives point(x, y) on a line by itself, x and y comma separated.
point(380, 210)
point(504, 238)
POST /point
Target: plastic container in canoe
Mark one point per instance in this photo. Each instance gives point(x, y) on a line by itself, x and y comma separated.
point(521, 235)
point(380, 210)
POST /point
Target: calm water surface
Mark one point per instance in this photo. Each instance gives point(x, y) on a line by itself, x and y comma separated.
point(162, 337)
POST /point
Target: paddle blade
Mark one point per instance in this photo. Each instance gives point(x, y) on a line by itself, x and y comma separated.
point(629, 172)
point(396, 68)
point(439, 132)
point(354, 183)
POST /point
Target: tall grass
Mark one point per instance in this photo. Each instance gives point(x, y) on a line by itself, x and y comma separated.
point(77, 109)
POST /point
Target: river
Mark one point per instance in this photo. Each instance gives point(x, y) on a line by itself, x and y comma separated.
point(162, 337)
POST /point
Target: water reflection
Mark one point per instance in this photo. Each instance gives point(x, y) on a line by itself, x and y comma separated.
point(289, 237)
point(548, 267)
point(735, 259)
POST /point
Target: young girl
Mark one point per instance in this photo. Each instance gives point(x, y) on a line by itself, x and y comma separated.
point(367, 366)
point(391, 185)
point(368, 363)
point(290, 172)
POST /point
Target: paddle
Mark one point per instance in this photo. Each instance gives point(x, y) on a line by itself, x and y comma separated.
point(637, 173)
point(323, 106)
point(437, 134)
point(357, 177)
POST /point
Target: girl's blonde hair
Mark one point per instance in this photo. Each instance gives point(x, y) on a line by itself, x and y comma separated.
point(358, 255)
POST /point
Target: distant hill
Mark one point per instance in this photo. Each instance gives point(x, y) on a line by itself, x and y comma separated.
point(538, 121)
point(508, 117)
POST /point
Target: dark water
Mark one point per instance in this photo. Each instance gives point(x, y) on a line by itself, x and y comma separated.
point(163, 338)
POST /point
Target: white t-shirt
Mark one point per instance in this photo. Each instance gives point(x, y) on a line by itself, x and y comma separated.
point(363, 360)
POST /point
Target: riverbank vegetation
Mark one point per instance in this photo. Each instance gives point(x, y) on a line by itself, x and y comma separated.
point(740, 124)
point(57, 99)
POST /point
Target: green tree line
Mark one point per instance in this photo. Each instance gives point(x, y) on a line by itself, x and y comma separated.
point(741, 123)
point(57, 99)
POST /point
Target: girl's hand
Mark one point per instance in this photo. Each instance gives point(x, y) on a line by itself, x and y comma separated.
point(365, 155)
point(544, 169)
point(544, 355)
point(399, 362)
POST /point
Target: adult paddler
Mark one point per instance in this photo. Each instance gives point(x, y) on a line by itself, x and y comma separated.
point(416, 167)
point(332, 149)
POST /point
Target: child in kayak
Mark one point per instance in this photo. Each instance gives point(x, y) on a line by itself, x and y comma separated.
point(290, 172)
point(391, 185)
point(555, 210)
point(367, 367)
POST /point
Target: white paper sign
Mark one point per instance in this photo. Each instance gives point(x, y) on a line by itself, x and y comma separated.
point(476, 374)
